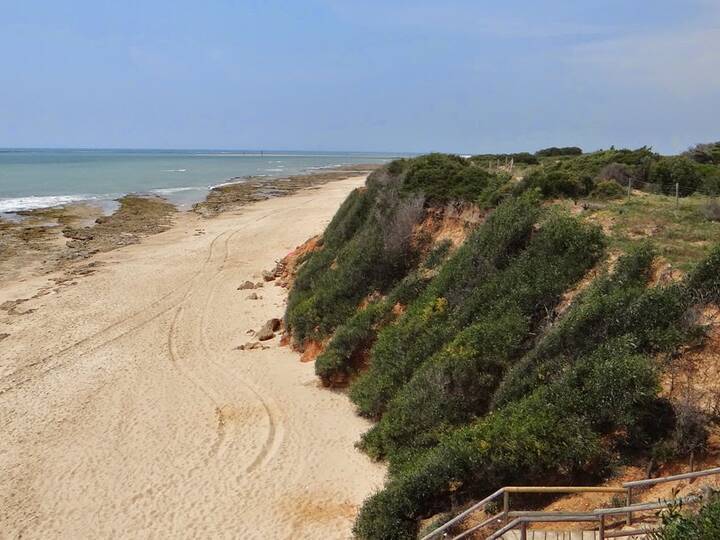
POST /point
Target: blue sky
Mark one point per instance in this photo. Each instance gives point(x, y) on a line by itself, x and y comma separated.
point(453, 75)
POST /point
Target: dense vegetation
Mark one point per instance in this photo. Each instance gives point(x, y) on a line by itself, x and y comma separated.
point(506, 359)
point(563, 151)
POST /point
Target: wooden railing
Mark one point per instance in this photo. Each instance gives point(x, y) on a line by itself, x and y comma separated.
point(523, 519)
point(505, 514)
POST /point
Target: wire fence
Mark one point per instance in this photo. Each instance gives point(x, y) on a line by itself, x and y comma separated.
point(676, 190)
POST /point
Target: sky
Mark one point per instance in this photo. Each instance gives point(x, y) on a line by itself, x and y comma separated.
point(465, 76)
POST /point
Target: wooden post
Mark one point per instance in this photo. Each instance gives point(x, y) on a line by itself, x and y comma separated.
point(628, 502)
point(677, 195)
point(602, 528)
point(523, 530)
point(629, 187)
point(506, 506)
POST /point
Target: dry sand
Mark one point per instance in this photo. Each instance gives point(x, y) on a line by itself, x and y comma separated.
point(127, 411)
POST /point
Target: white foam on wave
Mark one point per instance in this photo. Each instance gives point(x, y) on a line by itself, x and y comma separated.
point(277, 169)
point(323, 167)
point(32, 202)
point(168, 191)
point(175, 170)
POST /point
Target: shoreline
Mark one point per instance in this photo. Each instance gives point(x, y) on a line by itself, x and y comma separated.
point(47, 240)
point(126, 390)
point(31, 203)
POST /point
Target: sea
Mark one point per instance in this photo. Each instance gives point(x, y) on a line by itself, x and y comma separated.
point(41, 178)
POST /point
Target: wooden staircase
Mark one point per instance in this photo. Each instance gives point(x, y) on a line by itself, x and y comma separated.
point(614, 522)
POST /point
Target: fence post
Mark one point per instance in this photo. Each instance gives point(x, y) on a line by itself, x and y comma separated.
point(506, 506)
point(677, 195)
point(629, 187)
point(523, 530)
point(602, 527)
point(628, 502)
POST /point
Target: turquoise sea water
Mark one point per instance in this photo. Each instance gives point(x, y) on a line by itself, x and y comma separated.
point(43, 178)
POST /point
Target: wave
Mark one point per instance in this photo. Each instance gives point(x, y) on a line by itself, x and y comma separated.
point(278, 169)
point(175, 170)
point(168, 191)
point(322, 167)
point(32, 202)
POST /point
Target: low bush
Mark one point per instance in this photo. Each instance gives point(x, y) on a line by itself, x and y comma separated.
point(554, 182)
point(552, 435)
point(563, 151)
point(607, 189)
point(704, 153)
point(616, 172)
point(704, 280)
point(457, 383)
point(428, 322)
point(616, 305)
point(519, 158)
point(445, 177)
point(366, 247)
point(711, 210)
point(679, 525)
point(669, 171)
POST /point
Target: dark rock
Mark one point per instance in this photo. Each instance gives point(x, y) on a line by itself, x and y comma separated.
point(246, 285)
point(268, 330)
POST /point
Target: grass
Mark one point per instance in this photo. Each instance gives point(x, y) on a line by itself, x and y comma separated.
point(680, 232)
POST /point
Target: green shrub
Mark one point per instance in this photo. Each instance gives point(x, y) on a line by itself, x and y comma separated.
point(428, 322)
point(704, 280)
point(607, 189)
point(536, 439)
point(519, 158)
point(338, 362)
point(445, 177)
point(563, 151)
point(552, 435)
point(365, 248)
point(677, 169)
point(555, 182)
point(457, 383)
point(616, 305)
point(703, 525)
point(397, 166)
point(437, 255)
point(335, 364)
point(705, 153)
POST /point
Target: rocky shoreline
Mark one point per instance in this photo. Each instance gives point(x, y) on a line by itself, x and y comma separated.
point(47, 240)
point(232, 196)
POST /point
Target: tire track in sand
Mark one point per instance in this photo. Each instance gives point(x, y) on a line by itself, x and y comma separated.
point(275, 423)
point(122, 327)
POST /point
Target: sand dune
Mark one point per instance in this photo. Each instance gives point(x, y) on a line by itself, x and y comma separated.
point(127, 411)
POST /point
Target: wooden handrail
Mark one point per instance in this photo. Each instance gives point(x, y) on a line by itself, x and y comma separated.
point(559, 517)
point(596, 515)
point(674, 478)
point(600, 513)
point(463, 515)
point(517, 489)
point(643, 507)
point(479, 526)
point(564, 489)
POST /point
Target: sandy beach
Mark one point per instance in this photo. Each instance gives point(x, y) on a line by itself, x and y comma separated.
point(127, 410)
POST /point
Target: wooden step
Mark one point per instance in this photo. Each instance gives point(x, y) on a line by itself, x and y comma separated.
point(553, 535)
